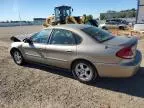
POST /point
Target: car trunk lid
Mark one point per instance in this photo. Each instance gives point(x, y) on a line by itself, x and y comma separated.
point(124, 43)
point(121, 41)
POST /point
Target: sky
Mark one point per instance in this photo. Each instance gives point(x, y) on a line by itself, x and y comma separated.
point(29, 9)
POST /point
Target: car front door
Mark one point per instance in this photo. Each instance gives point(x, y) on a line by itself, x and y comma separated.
point(61, 49)
point(35, 51)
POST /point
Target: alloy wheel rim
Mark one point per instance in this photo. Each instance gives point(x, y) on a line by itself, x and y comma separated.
point(83, 72)
point(17, 57)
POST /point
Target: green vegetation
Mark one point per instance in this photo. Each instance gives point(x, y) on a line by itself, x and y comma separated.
point(87, 18)
point(122, 14)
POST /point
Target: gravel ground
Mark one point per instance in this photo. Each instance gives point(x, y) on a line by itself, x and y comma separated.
point(38, 86)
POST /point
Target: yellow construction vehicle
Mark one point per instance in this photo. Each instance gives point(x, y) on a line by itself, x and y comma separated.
point(63, 15)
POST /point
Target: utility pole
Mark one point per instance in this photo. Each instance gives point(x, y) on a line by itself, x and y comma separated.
point(20, 18)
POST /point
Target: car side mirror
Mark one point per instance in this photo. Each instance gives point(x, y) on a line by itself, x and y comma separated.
point(27, 40)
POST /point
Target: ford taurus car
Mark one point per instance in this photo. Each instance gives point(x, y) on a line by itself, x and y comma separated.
point(89, 52)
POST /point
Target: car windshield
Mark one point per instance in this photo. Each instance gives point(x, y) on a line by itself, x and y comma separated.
point(98, 34)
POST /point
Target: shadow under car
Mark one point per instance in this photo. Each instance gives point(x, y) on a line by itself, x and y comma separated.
point(131, 86)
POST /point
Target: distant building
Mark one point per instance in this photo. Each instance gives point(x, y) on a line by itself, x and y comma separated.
point(39, 21)
point(15, 23)
point(140, 12)
point(139, 26)
point(108, 15)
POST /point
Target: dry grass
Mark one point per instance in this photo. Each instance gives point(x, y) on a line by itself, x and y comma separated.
point(128, 32)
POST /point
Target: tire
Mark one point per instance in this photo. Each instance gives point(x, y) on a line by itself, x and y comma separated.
point(17, 57)
point(84, 71)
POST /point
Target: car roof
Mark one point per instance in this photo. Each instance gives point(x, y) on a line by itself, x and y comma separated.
point(70, 26)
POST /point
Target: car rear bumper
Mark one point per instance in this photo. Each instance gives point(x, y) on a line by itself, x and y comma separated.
point(120, 70)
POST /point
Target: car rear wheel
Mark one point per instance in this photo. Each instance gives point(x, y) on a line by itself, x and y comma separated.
point(84, 71)
point(18, 58)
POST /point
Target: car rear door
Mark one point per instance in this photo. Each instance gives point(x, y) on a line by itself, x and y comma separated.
point(35, 51)
point(61, 49)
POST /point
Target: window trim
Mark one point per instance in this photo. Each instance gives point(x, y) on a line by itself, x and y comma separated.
point(75, 43)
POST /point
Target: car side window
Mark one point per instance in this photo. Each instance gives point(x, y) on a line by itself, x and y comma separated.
point(77, 38)
point(62, 37)
point(41, 37)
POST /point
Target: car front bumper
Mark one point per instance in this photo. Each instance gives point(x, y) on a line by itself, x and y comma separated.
point(120, 70)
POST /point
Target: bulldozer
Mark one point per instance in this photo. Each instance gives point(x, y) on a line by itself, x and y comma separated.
point(63, 15)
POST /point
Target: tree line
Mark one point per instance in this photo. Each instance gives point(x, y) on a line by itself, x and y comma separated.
point(121, 14)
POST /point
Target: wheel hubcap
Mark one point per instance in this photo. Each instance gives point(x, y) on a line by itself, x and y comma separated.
point(17, 57)
point(83, 71)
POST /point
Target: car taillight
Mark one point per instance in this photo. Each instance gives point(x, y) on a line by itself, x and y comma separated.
point(125, 53)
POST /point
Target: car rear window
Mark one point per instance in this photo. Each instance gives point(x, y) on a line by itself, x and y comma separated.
point(98, 34)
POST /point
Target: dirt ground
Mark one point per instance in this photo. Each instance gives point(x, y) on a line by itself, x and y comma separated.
point(128, 32)
point(37, 86)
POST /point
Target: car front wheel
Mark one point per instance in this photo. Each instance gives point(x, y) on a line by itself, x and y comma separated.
point(18, 58)
point(84, 71)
